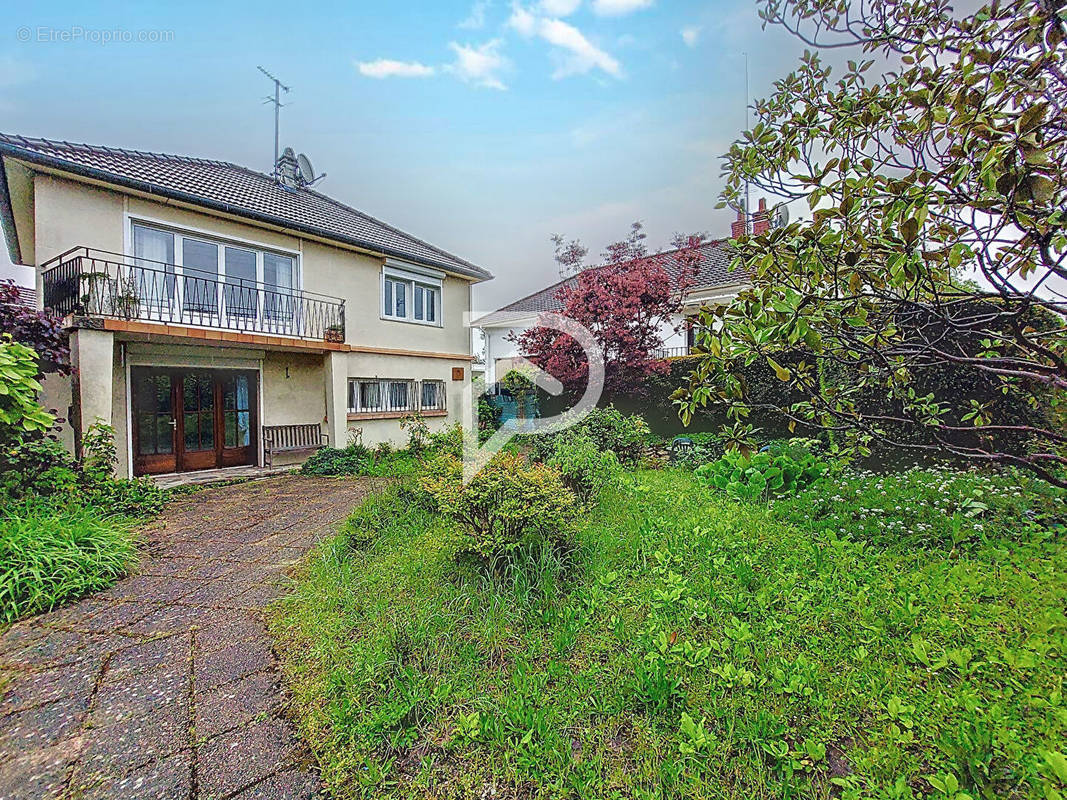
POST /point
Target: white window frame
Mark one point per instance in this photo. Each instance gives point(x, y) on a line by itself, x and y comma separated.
point(409, 276)
point(414, 395)
point(180, 232)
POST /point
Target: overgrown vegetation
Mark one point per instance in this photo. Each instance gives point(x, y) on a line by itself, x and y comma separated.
point(919, 306)
point(868, 637)
point(66, 527)
point(52, 553)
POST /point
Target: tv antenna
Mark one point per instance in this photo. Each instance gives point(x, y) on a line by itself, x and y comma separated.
point(279, 87)
point(748, 203)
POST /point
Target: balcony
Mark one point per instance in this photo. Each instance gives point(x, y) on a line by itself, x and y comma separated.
point(98, 283)
point(674, 352)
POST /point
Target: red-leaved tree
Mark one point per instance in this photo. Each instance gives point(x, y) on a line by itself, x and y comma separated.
point(38, 330)
point(627, 303)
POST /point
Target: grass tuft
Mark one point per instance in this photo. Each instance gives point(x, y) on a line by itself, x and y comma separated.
point(52, 554)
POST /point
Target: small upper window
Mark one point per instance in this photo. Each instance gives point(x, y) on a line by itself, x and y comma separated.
point(410, 297)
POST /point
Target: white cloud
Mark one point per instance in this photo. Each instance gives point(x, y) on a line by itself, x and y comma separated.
point(691, 35)
point(560, 8)
point(577, 55)
point(618, 8)
point(582, 56)
point(476, 19)
point(522, 20)
point(479, 65)
point(388, 68)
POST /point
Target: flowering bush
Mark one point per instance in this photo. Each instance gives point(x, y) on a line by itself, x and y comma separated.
point(763, 475)
point(929, 507)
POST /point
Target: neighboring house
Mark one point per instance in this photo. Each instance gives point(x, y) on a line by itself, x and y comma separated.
point(209, 304)
point(712, 283)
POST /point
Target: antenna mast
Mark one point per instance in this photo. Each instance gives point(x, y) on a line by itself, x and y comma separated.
point(277, 101)
point(748, 203)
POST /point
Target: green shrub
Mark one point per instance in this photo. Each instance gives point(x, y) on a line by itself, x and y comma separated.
point(448, 440)
point(763, 475)
point(39, 466)
point(706, 447)
point(352, 460)
point(126, 498)
point(42, 468)
point(508, 503)
point(19, 411)
point(585, 470)
point(52, 554)
point(625, 436)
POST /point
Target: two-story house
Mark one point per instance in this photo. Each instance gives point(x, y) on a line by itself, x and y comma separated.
point(212, 307)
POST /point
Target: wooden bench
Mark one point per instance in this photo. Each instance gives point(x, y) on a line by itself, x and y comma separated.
point(291, 439)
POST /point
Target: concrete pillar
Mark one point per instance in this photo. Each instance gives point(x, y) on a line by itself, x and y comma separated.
point(92, 355)
point(336, 372)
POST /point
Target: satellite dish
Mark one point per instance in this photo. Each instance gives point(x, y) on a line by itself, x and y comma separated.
point(781, 216)
point(307, 173)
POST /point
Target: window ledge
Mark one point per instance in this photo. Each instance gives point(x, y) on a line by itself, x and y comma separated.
point(394, 414)
point(412, 321)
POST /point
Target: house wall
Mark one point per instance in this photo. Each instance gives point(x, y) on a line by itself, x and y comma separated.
point(68, 214)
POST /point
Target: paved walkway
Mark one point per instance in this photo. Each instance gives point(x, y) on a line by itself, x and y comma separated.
point(165, 686)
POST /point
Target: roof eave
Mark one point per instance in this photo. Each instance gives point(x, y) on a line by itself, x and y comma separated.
point(196, 200)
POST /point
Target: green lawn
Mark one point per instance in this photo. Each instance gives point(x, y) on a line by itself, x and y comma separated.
point(695, 647)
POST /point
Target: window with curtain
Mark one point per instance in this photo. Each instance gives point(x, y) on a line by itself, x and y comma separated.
point(153, 280)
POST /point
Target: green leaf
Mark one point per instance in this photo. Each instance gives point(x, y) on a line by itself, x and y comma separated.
point(1058, 762)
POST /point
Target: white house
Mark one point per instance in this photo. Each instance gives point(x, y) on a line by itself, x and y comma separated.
point(713, 283)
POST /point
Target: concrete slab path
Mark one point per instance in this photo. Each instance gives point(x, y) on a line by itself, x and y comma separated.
point(165, 685)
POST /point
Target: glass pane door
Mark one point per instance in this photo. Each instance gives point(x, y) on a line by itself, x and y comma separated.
point(278, 293)
point(236, 411)
point(154, 422)
point(198, 407)
point(200, 271)
point(241, 295)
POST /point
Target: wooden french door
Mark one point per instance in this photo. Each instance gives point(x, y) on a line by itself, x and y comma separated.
point(190, 419)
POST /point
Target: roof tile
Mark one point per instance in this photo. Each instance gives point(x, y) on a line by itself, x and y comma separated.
point(240, 191)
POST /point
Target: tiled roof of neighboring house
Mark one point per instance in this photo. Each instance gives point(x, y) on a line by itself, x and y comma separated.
point(237, 190)
point(27, 296)
point(713, 269)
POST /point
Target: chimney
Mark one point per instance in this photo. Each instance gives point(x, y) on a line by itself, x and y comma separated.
point(286, 171)
point(737, 227)
point(761, 220)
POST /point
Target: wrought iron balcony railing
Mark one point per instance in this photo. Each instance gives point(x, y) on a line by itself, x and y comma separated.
point(673, 352)
point(97, 283)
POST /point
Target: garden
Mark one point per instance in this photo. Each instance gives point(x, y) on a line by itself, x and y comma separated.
point(67, 526)
point(586, 619)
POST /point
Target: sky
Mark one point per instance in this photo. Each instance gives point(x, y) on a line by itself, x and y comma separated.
point(482, 126)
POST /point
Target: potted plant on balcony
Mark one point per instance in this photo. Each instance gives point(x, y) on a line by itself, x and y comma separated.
point(128, 305)
point(336, 334)
point(97, 292)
